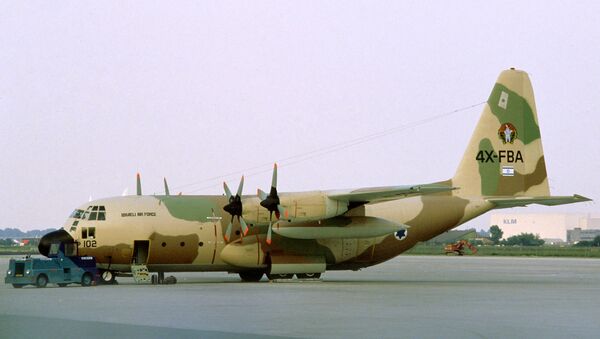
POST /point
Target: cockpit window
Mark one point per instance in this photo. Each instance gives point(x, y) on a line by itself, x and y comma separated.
point(94, 213)
point(77, 214)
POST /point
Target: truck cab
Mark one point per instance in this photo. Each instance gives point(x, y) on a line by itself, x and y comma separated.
point(62, 267)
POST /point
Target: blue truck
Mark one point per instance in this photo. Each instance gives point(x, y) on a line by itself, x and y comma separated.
point(58, 268)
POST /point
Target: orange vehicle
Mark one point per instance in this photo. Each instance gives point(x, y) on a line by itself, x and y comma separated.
point(459, 248)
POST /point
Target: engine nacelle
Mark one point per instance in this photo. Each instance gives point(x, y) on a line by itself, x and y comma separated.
point(304, 206)
point(342, 227)
point(247, 255)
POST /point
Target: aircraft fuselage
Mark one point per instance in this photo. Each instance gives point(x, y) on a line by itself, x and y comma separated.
point(185, 233)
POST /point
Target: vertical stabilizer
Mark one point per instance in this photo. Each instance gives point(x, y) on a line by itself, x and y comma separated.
point(505, 155)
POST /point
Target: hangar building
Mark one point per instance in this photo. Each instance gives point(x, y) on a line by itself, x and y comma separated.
point(546, 225)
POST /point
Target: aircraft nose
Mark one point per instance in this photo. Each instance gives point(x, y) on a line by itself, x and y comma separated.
point(60, 236)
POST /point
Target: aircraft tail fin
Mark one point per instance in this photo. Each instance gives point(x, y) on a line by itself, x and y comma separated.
point(505, 155)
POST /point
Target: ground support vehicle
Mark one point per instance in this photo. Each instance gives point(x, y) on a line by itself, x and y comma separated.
point(58, 269)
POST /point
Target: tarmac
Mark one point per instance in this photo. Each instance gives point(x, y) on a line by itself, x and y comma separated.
point(407, 297)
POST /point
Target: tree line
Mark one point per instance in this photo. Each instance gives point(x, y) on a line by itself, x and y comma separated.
point(529, 239)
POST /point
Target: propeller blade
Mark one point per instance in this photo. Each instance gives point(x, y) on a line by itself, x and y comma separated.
point(261, 194)
point(166, 187)
point(282, 211)
point(245, 228)
point(228, 231)
point(269, 233)
point(227, 191)
point(240, 187)
point(274, 180)
point(235, 208)
point(138, 184)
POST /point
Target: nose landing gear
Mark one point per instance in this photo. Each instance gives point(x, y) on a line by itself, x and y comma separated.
point(108, 278)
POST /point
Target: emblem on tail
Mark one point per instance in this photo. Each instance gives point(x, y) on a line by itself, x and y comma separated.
point(507, 133)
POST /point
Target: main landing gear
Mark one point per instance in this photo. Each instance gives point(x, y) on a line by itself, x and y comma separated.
point(159, 279)
point(255, 276)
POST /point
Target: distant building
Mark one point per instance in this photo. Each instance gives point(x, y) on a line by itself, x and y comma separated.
point(483, 234)
point(577, 235)
point(546, 225)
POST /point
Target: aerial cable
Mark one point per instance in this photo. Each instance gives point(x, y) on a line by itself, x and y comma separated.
point(301, 157)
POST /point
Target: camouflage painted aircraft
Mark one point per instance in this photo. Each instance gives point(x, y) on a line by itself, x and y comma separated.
point(307, 233)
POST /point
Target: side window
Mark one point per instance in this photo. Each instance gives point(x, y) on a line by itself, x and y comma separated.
point(84, 233)
point(92, 232)
point(70, 250)
point(74, 227)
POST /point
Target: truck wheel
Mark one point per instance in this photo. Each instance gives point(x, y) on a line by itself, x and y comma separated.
point(86, 280)
point(17, 286)
point(41, 281)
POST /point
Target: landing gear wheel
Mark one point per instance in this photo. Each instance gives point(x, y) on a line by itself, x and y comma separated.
point(108, 277)
point(308, 275)
point(41, 281)
point(279, 276)
point(86, 280)
point(17, 286)
point(61, 285)
point(251, 276)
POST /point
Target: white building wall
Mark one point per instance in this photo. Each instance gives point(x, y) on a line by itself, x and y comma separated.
point(546, 225)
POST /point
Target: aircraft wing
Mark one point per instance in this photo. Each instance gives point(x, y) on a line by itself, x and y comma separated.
point(509, 202)
point(386, 193)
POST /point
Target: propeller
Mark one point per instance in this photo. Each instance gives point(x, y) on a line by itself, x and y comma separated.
point(271, 203)
point(235, 208)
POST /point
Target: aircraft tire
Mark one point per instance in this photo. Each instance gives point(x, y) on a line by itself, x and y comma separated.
point(251, 276)
point(108, 277)
point(86, 280)
point(308, 275)
point(61, 285)
point(18, 285)
point(41, 281)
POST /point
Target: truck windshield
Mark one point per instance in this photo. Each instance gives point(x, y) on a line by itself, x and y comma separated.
point(54, 249)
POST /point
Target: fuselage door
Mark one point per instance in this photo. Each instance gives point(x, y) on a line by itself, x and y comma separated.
point(140, 251)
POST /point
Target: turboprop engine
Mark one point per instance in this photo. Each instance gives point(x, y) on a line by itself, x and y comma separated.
point(295, 207)
point(251, 254)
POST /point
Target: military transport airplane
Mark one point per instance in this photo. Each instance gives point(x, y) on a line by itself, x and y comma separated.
point(307, 233)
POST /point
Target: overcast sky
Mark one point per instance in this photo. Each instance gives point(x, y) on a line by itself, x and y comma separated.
point(90, 94)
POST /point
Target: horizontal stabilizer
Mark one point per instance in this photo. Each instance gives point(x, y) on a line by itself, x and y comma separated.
point(546, 201)
point(339, 228)
point(379, 194)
